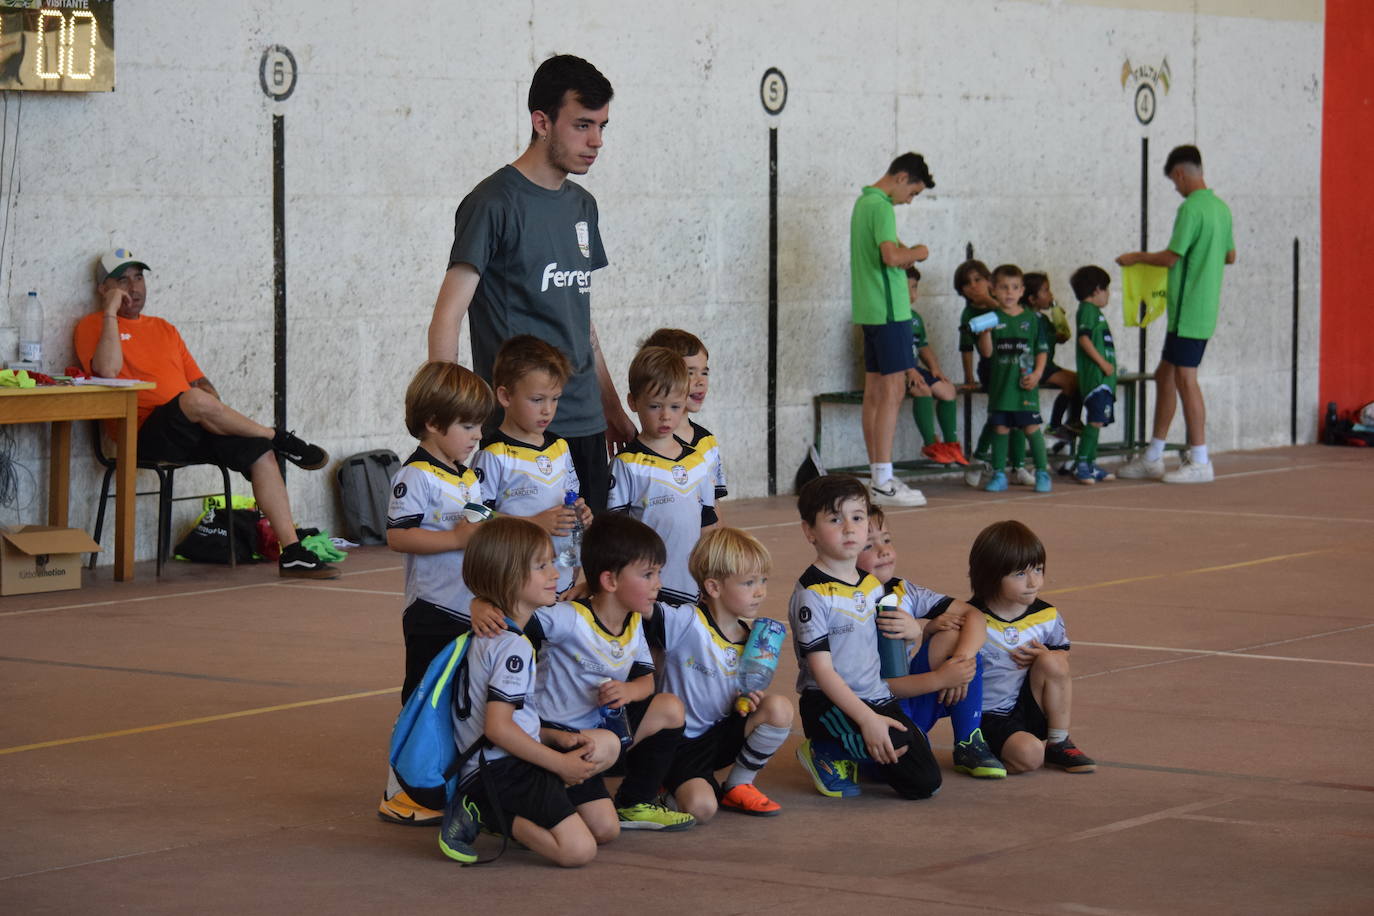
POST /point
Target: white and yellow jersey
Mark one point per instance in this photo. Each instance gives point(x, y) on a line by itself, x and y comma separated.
point(1002, 680)
point(576, 653)
point(519, 479)
point(673, 496)
point(704, 442)
point(700, 665)
point(428, 494)
point(830, 615)
point(500, 668)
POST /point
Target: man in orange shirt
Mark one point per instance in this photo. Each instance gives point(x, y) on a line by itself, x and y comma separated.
point(183, 419)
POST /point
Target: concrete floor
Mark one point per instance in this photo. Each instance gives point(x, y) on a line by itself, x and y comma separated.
point(214, 742)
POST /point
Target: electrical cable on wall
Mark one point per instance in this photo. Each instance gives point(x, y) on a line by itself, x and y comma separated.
point(9, 474)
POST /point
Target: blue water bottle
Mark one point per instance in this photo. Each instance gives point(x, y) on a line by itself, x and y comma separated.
point(892, 653)
point(759, 660)
point(614, 721)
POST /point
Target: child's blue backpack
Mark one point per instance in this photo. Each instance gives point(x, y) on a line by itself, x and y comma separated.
point(424, 754)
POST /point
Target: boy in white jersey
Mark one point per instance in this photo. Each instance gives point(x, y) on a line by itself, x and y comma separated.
point(695, 355)
point(1027, 688)
point(525, 470)
point(848, 712)
point(948, 633)
point(596, 673)
point(656, 478)
point(514, 782)
point(701, 646)
point(445, 408)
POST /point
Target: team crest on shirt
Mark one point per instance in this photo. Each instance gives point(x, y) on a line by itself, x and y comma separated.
point(544, 464)
point(679, 475)
point(860, 600)
point(1011, 635)
point(584, 238)
point(731, 658)
point(617, 651)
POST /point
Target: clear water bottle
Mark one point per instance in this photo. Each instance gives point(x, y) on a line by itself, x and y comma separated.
point(614, 721)
point(892, 653)
point(1027, 361)
point(759, 660)
point(571, 554)
point(31, 331)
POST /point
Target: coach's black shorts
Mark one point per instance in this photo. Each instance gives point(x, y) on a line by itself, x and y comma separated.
point(702, 756)
point(1025, 716)
point(523, 790)
point(167, 435)
point(1184, 352)
point(593, 468)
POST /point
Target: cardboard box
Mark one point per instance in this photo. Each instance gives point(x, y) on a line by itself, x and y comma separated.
point(42, 558)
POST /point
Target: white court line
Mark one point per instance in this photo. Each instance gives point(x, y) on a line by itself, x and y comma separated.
point(202, 591)
point(1228, 654)
point(1267, 515)
point(351, 591)
point(1263, 645)
point(1130, 823)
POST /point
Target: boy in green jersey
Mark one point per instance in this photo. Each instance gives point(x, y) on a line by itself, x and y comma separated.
point(1096, 367)
point(1017, 353)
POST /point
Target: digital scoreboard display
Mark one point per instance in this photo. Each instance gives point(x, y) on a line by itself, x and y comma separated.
point(57, 46)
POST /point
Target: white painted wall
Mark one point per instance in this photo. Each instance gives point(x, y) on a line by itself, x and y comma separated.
point(1018, 106)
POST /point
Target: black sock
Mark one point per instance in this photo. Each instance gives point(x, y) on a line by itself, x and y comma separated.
point(645, 766)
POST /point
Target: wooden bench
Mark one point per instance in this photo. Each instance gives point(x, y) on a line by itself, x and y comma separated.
point(1130, 388)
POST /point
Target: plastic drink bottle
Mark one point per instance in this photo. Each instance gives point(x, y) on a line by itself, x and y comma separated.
point(31, 331)
point(571, 554)
point(979, 323)
point(759, 660)
point(892, 657)
point(614, 721)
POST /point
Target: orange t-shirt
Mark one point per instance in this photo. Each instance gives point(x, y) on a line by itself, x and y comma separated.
point(153, 352)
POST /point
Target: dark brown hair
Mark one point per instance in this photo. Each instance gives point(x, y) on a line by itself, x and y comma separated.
point(525, 353)
point(827, 494)
point(683, 343)
point(443, 393)
point(1000, 550)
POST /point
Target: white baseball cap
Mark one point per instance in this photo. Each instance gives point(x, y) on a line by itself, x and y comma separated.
point(113, 263)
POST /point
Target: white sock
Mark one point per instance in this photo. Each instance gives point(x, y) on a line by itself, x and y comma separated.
point(763, 742)
point(880, 473)
point(1197, 454)
point(1057, 734)
point(1155, 450)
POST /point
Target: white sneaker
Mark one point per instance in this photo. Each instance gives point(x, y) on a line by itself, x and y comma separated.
point(977, 474)
point(895, 493)
point(1141, 468)
point(1190, 472)
point(1022, 476)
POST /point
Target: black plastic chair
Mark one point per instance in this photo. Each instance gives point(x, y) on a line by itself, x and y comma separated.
point(165, 471)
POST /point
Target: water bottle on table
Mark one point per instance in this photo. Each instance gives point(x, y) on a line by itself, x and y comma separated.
point(759, 660)
point(31, 333)
point(892, 653)
point(571, 554)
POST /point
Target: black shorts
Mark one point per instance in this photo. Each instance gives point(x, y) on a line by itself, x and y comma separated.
point(1014, 419)
point(1050, 369)
point(712, 750)
point(887, 347)
point(168, 435)
point(1025, 716)
point(1100, 406)
point(916, 774)
point(523, 790)
point(593, 468)
point(1184, 352)
point(427, 629)
point(595, 788)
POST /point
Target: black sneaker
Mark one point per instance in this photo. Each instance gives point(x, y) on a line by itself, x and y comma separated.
point(299, 452)
point(1069, 758)
point(298, 563)
point(459, 829)
point(975, 758)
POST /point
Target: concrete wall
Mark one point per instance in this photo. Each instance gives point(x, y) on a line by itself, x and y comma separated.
point(1018, 106)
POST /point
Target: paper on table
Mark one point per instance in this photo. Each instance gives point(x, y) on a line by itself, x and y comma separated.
point(108, 382)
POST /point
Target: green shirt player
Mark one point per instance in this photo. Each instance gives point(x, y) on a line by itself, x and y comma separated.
point(881, 309)
point(1201, 245)
point(1096, 367)
point(1016, 351)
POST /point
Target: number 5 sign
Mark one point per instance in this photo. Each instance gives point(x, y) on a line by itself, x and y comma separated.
point(277, 72)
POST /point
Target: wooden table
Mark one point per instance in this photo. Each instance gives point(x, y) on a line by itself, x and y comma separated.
point(61, 404)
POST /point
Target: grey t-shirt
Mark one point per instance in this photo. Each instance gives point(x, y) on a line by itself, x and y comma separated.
point(535, 250)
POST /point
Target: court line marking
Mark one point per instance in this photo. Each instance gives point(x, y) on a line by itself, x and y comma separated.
point(284, 583)
point(1264, 515)
point(153, 671)
point(199, 720)
point(1133, 822)
point(1187, 572)
point(351, 591)
point(1228, 653)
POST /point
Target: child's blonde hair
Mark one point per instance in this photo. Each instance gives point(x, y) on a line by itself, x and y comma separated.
point(1000, 550)
point(657, 372)
point(443, 393)
point(499, 557)
point(683, 343)
point(727, 552)
point(525, 353)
